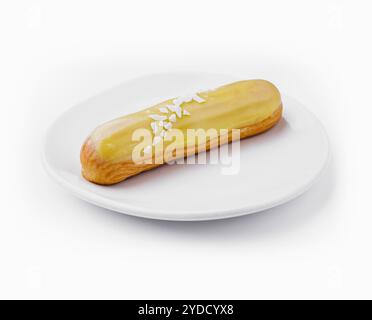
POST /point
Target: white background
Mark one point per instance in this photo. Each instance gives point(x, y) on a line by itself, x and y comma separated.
point(54, 54)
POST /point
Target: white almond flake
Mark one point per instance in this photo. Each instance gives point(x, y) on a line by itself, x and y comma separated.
point(173, 118)
point(168, 125)
point(157, 139)
point(161, 123)
point(178, 111)
point(164, 110)
point(198, 99)
point(148, 149)
point(157, 117)
point(154, 127)
point(162, 133)
point(177, 102)
point(169, 107)
point(186, 113)
point(173, 107)
point(188, 98)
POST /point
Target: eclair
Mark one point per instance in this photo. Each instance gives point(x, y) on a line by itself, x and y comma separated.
point(134, 143)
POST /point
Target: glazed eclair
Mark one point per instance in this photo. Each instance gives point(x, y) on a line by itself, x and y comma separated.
point(114, 152)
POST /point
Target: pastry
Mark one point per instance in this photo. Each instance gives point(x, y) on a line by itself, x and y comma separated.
point(107, 156)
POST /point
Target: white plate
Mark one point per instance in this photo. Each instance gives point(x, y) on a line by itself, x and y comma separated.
point(275, 167)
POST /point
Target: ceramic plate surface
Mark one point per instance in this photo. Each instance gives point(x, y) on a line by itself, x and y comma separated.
point(275, 167)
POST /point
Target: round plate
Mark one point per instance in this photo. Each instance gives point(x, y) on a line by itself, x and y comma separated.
point(275, 167)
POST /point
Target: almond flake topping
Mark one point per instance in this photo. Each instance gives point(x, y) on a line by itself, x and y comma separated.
point(173, 118)
point(173, 107)
point(168, 125)
point(164, 123)
point(157, 117)
point(178, 111)
point(198, 99)
point(164, 110)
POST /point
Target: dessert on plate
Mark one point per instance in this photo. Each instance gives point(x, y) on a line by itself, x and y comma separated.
point(149, 138)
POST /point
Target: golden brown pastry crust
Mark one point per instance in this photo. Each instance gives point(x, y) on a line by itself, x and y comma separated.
point(99, 171)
